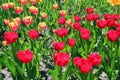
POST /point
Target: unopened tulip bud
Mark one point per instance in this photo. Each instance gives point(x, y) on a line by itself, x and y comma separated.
point(55, 6)
point(69, 22)
point(62, 13)
point(4, 43)
point(44, 15)
point(42, 25)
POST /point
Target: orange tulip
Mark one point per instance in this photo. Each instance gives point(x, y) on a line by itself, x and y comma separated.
point(4, 43)
point(114, 2)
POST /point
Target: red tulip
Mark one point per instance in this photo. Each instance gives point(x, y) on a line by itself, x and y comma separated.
point(118, 31)
point(76, 25)
point(61, 32)
point(61, 20)
point(95, 16)
point(25, 56)
point(77, 61)
point(95, 58)
point(115, 16)
point(85, 33)
point(112, 35)
point(58, 45)
point(71, 42)
point(107, 16)
point(10, 37)
point(89, 10)
point(77, 18)
point(118, 25)
point(111, 23)
point(86, 66)
point(89, 17)
point(33, 34)
point(101, 24)
point(61, 59)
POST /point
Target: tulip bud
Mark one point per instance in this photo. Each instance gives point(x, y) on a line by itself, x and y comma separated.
point(4, 43)
point(42, 25)
point(69, 22)
point(55, 6)
point(62, 13)
point(44, 15)
point(89, 10)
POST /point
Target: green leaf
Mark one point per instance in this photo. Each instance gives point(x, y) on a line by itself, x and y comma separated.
point(54, 73)
point(7, 63)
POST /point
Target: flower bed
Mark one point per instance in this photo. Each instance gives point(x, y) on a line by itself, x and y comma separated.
point(78, 39)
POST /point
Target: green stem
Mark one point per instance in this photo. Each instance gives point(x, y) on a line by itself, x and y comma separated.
point(86, 48)
point(60, 73)
point(28, 71)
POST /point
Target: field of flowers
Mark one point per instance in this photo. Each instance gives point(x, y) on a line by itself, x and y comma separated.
point(72, 39)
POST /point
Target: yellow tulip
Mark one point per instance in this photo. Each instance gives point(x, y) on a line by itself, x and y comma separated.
point(39, 1)
point(114, 2)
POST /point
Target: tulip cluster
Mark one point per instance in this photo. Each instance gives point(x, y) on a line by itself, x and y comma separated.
point(85, 64)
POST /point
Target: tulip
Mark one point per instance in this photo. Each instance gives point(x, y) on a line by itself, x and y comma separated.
point(58, 45)
point(61, 58)
point(95, 58)
point(55, 6)
point(61, 32)
point(62, 13)
point(89, 10)
point(25, 56)
point(5, 6)
point(85, 33)
point(10, 37)
point(27, 20)
point(112, 35)
point(18, 10)
point(33, 34)
point(42, 25)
